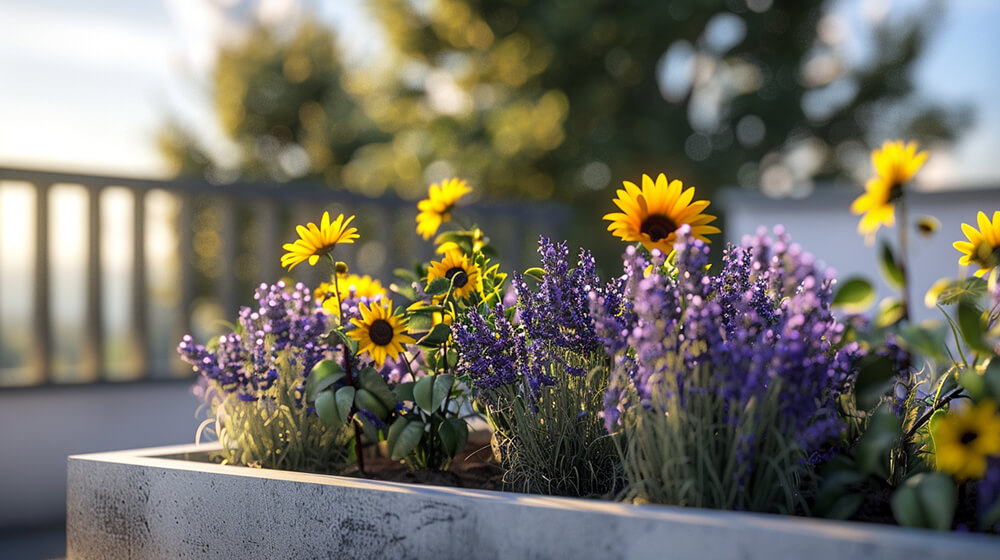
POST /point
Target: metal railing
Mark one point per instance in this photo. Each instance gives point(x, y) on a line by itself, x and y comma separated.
point(242, 226)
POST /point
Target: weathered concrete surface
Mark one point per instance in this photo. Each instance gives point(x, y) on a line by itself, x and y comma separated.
point(135, 505)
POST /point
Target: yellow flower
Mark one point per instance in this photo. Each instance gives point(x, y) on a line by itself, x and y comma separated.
point(895, 164)
point(653, 214)
point(349, 284)
point(964, 438)
point(437, 207)
point(476, 237)
point(315, 242)
point(464, 275)
point(379, 332)
point(983, 246)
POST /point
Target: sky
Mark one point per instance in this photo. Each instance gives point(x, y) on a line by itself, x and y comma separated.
point(85, 86)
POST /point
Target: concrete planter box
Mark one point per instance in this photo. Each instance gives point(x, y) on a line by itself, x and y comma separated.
point(152, 503)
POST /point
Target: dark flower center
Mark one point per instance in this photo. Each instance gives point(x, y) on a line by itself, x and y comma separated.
point(968, 437)
point(457, 276)
point(895, 192)
point(658, 227)
point(381, 332)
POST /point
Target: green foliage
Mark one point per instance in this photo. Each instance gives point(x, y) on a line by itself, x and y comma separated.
point(692, 458)
point(854, 295)
point(553, 441)
point(275, 432)
point(925, 500)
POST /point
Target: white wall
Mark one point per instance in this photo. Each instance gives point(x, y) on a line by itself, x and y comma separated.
point(40, 427)
point(824, 226)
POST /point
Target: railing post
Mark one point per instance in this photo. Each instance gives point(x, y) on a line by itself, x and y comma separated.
point(41, 349)
point(93, 348)
point(140, 319)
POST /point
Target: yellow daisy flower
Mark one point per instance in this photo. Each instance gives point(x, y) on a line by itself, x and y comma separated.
point(965, 438)
point(652, 214)
point(464, 275)
point(379, 332)
point(436, 208)
point(314, 242)
point(362, 287)
point(983, 246)
point(895, 164)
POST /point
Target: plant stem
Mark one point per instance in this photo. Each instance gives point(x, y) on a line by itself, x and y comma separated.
point(354, 411)
point(927, 415)
point(904, 271)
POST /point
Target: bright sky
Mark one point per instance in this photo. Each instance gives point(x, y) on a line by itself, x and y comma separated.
point(85, 85)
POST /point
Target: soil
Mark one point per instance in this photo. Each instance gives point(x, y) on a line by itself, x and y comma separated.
point(473, 468)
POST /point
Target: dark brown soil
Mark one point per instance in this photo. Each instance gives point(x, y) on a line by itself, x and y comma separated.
point(472, 468)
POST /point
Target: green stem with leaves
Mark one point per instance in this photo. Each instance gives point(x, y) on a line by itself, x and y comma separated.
point(358, 448)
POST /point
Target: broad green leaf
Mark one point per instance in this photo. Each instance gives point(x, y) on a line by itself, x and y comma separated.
point(890, 311)
point(373, 382)
point(394, 430)
point(345, 398)
point(876, 443)
point(438, 286)
point(370, 431)
point(326, 409)
point(404, 391)
point(420, 323)
point(876, 375)
point(990, 517)
point(407, 440)
point(405, 290)
point(854, 295)
point(926, 339)
point(536, 273)
point(323, 375)
point(932, 423)
point(906, 507)
point(969, 289)
point(420, 309)
point(937, 494)
point(845, 506)
point(442, 386)
point(991, 375)
point(449, 439)
point(971, 327)
point(438, 336)
point(423, 393)
point(366, 400)
point(461, 429)
point(407, 275)
point(890, 267)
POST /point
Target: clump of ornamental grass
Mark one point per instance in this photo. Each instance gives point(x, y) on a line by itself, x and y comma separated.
point(253, 382)
point(539, 371)
point(725, 388)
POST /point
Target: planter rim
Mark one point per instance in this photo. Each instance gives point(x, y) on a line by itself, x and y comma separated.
point(859, 532)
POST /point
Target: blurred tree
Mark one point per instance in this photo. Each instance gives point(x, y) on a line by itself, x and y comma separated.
point(280, 102)
point(567, 97)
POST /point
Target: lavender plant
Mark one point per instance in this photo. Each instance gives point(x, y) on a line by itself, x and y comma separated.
point(538, 371)
point(727, 390)
point(254, 378)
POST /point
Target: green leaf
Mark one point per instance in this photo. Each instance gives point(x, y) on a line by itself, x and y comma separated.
point(423, 392)
point(845, 506)
point(461, 429)
point(404, 391)
point(906, 507)
point(890, 267)
point(438, 336)
point(854, 295)
point(345, 398)
point(373, 382)
point(438, 286)
point(419, 323)
point(408, 275)
point(424, 309)
point(407, 440)
point(394, 430)
point(326, 409)
point(991, 375)
point(971, 327)
point(364, 399)
point(990, 517)
point(875, 377)
point(890, 311)
point(449, 439)
point(323, 375)
point(536, 273)
point(876, 443)
point(932, 423)
point(370, 431)
point(938, 498)
point(442, 387)
point(927, 339)
point(405, 290)
point(969, 289)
